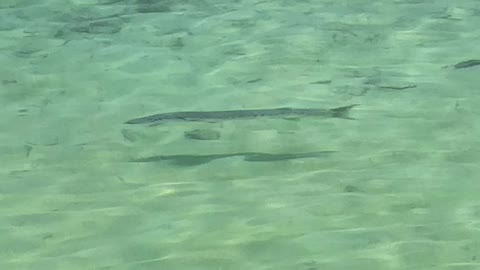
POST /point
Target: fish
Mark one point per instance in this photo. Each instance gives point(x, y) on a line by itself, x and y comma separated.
point(193, 160)
point(467, 64)
point(212, 116)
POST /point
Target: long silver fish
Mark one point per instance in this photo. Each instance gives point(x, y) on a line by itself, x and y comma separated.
point(209, 116)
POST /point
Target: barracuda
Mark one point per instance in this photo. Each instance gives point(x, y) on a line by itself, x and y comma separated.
point(209, 116)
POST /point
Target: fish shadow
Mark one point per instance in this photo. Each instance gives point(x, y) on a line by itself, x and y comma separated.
point(195, 160)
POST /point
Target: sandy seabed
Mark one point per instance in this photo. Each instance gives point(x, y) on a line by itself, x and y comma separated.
point(398, 191)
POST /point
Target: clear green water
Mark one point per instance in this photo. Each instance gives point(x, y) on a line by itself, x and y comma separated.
point(400, 190)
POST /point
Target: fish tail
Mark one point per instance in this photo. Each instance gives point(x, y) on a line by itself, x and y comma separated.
point(343, 112)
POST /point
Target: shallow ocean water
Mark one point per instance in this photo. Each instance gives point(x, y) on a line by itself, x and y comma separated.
point(394, 188)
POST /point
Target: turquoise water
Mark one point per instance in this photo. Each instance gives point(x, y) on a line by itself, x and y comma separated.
point(394, 188)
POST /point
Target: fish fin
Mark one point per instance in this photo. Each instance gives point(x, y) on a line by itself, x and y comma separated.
point(343, 112)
